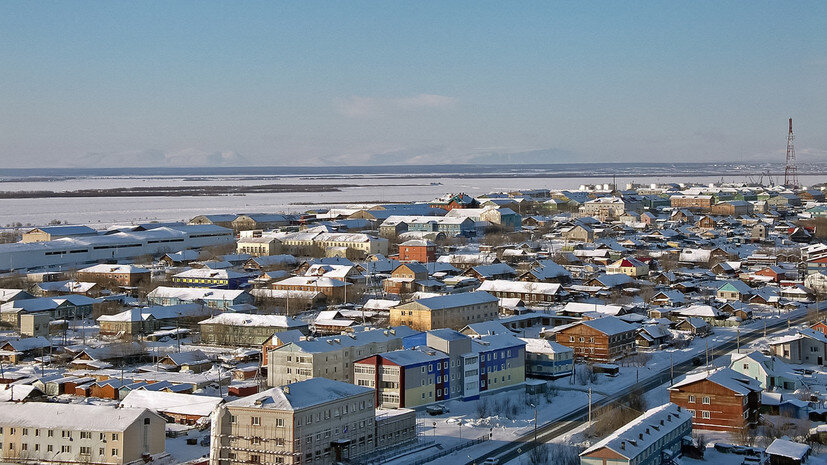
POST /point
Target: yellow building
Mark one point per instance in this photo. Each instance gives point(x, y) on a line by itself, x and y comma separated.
point(448, 311)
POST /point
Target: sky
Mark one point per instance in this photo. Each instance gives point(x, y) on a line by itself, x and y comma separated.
point(114, 83)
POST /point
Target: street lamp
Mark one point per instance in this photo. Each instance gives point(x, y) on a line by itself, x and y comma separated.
point(434, 430)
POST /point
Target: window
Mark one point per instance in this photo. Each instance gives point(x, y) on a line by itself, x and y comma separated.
point(691, 399)
point(85, 450)
point(49, 448)
point(114, 436)
point(66, 449)
point(255, 421)
point(114, 452)
point(85, 435)
point(706, 400)
point(705, 414)
point(280, 422)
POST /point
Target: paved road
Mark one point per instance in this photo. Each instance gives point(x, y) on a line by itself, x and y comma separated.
point(551, 430)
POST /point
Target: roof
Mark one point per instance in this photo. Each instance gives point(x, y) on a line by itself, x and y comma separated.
point(725, 377)
point(301, 395)
point(544, 346)
point(643, 432)
point(785, 448)
point(114, 269)
point(456, 300)
point(65, 230)
point(523, 287)
point(171, 402)
point(413, 357)
point(69, 416)
point(241, 319)
point(195, 293)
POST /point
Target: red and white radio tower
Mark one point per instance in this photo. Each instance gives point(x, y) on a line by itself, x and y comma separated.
point(790, 171)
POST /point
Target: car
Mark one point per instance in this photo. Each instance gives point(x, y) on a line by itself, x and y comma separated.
point(434, 410)
point(491, 461)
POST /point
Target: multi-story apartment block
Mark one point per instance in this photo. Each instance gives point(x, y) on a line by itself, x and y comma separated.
point(450, 366)
point(417, 250)
point(604, 208)
point(449, 311)
point(330, 357)
point(602, 340)
point(691, 201)
point(722, 401)
point(258, 244)
point(318, 421)
point(547, 359)
point(37, 432)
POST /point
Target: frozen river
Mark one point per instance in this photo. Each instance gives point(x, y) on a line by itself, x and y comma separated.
point(374, 188)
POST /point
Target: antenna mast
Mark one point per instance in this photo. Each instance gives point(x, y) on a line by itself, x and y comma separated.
point(790, 170)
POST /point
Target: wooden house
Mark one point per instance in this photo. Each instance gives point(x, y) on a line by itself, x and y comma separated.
point(724, 400)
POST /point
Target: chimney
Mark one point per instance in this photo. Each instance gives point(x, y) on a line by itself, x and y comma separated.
point(640, 436)
point(679, 408)
point(622, 445)
point(286, 389)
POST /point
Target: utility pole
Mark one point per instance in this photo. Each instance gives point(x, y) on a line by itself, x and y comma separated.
point(590, 409)
point(671, 370)
point(178, 331)
point(738, 340)
point(535, 423)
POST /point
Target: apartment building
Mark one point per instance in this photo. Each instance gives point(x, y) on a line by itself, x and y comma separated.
point(602, 340)
point(78, 433)
point(721, 401)
point(691, 201)
point(547, 359)
point(317, 421)
point(330, 357)
point(450, 366)
point(257, 244)
point(417, 250)
point(449, 311)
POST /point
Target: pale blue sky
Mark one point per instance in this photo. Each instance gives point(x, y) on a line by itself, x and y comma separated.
point(386, 82)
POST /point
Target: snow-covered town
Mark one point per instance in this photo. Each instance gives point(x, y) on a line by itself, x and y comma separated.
point(656, 324)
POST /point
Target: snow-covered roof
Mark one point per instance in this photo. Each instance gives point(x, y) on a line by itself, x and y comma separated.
point(240, 319)
point(789, 449)
point(544, 346)
point(69, 416)
point(727, 378)
point(457, 300)
point(171, 402)
point(301, 395)
point(644, 431)
point(114, 269)
point(522, 287)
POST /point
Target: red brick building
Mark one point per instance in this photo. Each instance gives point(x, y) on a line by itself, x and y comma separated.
point(416, 250)
point(722, 401)
point(601, 340)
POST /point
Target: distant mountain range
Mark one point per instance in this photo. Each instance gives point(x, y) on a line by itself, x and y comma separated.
point(157, 158)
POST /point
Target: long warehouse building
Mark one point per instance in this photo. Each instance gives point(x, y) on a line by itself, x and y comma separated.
point(119, 245)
